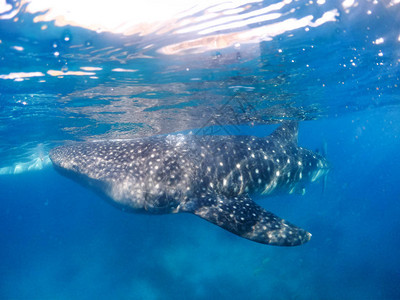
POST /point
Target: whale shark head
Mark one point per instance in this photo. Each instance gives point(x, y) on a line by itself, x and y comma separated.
point(143, 175)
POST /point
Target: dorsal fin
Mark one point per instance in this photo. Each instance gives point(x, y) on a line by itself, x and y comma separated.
point(286, 133)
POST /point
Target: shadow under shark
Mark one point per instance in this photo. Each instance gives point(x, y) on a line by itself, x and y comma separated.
point(210, 176)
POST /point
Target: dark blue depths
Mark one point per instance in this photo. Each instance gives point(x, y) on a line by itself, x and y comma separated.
point(60, 240)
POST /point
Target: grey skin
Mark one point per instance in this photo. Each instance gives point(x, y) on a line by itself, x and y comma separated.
point(210, 176)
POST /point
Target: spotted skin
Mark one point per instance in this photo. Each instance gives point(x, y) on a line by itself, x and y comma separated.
point(210, 176)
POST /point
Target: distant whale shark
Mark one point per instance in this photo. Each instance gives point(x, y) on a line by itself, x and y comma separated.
point(210, 176)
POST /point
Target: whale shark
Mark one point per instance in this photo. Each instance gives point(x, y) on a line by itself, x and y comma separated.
point(211, 176)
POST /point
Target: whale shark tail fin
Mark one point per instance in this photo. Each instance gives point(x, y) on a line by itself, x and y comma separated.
point(242, 216)
point(286, 133)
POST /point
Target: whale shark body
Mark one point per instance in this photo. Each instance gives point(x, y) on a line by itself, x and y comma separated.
point(210, 176)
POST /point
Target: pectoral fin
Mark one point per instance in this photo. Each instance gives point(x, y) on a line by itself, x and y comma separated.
point(242, 216)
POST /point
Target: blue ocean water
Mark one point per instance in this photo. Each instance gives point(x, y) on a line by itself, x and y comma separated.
point(85, 72)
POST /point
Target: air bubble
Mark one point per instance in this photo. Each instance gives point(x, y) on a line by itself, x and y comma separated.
point(67, 36)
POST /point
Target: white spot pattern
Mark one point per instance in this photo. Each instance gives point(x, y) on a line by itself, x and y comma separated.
point(168, 174)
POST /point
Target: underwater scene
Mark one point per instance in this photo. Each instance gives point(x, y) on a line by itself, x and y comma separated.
point(240, 149)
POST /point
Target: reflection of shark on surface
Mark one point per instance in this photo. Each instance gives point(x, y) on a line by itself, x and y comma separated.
point(209, 176)
point(36, 160)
